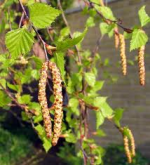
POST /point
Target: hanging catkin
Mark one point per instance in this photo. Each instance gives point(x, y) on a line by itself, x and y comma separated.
point(116, 35)
point(132, 142)
point(122, 54)
point(127, 150)
point(43, 100)
point(141, 65)
point(58, 102)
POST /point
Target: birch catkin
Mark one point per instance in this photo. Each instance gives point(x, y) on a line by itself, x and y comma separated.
point(132, 142)
point(141, 65)
point(43, 101)
point(116, 35)
point(58, 102)
point(122, 54)
point(127, 150)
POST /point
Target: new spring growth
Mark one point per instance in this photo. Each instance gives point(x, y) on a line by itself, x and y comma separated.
point(123, 54)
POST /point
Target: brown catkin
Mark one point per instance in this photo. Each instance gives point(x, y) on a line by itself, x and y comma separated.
point(127, 150)
point(132, 142)
point(122, 54)
point(141, 65)
point(58, 102)
point(43, 100)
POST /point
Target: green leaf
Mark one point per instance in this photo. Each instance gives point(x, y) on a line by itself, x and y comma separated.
point(13, 87)
point(37, 61)
point(95, 1)
point(90, 22)
point(107, 29)
point(139, 38)
point(98, 85)
point(46, 144)
point(144, 18)
point(35, 74)
point(106, 12)
point(90, 78)
point(73, 104)
point(63, 33)
point(68, 43)
point(71, 138)
point(19, 42)
point(59, 59)
point(4, 99)
point(24, 99)
point(40, 130)
point(24, 116)
point(99, 119)
point(42, 15)
point(106, 109)
point(118, 116)
point(38, 118)
point(98, 101)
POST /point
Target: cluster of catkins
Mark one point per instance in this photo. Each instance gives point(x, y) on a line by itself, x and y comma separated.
point(58, 101)
point(129, 143)
point(120, 41)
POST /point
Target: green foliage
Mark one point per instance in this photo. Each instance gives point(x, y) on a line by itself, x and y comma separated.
point(59, 59)
point(118, 116)
point(13, 147)
point(4, 99)
point(90, 78)
point(144, 18)
point(70, 151)
point(69, 43)
point(18, 73)
point(42, 15)
point(139, 38)
point(115, 156)
point(19, 42)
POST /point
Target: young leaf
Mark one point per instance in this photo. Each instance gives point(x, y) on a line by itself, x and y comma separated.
point(90, 22)
point(118, 115)
point(99, 119)
point(46, 144)
point(144, 18)
point(42, 15)
point(24, 99)
point(106, 12)
point(63, 33)
point(59, 59)
point(139, 38)
point(4, 99)
point(106, 109)
point(68, 43)
point(19, 42)
point(90, 78)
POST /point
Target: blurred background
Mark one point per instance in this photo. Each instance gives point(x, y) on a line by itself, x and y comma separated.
point(19, 144)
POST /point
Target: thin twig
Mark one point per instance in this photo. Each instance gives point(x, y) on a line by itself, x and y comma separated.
point(67, 25)
point(21, 19)
point(108, 21)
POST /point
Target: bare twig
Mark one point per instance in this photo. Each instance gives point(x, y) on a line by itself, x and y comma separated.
point(21, 19)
